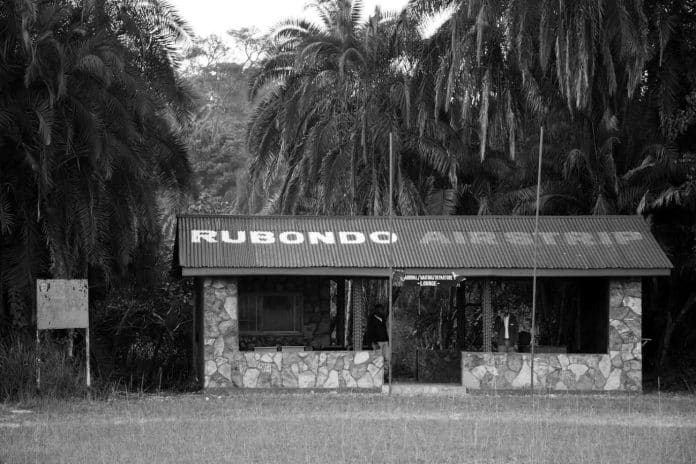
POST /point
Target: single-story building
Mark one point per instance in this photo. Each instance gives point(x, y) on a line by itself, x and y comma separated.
point(272, 307)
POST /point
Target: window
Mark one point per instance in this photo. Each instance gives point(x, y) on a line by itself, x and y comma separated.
point(572, 314)
point(270, 312)
point(580, 308)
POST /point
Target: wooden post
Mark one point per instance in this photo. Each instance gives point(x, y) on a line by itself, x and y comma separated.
point(71, 342)
point(87, 370)
point(38, 361)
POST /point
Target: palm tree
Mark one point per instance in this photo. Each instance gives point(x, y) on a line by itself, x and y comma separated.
point(332, 97)
point(498, 65)
point(88, 134)
point(314, 69)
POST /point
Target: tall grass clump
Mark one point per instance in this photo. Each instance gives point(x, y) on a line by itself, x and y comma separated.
point(62, 376)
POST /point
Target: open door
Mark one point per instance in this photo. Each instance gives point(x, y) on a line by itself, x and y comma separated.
point(427, 332)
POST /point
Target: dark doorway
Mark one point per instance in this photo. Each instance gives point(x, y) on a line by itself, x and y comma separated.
point(425, 332)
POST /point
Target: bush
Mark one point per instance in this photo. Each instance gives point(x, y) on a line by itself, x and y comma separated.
point(61, 376)
point(141, 337)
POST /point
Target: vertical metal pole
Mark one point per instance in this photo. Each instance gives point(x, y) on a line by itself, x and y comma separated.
point(38, 359)
point(391, 252)
point(536, 258)
point(87, 370)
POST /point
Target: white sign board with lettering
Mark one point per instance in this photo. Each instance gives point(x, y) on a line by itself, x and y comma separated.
point(61, 304)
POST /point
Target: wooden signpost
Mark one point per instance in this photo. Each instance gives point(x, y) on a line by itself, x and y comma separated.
point(62, 304)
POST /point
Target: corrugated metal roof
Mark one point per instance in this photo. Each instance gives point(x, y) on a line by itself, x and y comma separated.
point(486, 244)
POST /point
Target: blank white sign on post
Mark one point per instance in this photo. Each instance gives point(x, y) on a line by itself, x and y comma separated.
point(62, 304)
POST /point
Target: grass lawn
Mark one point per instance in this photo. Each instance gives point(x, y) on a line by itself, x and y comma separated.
point(335, 428)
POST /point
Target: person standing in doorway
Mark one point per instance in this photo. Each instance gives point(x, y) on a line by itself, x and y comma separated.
point(376, 334)
point(506, 329)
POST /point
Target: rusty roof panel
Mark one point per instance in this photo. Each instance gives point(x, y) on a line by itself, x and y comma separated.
point(424, 242)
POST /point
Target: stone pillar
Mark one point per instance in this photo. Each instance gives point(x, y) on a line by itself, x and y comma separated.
point(625, 343)
point(220, 332)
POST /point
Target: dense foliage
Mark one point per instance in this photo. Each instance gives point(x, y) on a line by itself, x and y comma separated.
point(216, 132)
point(464, 87)
point(91, 108)
point(92, 164)
point(97, 124)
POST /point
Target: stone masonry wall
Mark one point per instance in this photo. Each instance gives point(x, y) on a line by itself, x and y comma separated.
point(225, 366)
point(304, 369)
point(620, 369)
point(220, 327)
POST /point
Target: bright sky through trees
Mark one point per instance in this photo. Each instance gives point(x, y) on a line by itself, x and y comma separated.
point(217, 16)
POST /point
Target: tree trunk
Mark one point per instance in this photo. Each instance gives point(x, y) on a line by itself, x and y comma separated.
point(396, 291)
point(340, 311)
point(352, 183)
point(461, 319)
point(487, 307)
point(562, 316)
point(358, 310)
point(99, 12)
point(440, 335)
point(3, 316)
point(577, 337)
point(349, 311)
point(376, 204)
point(447, 336)
point(353, 173)
point(542, 302)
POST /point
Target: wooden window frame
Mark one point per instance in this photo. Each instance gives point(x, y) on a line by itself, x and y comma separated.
point(297, 308)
